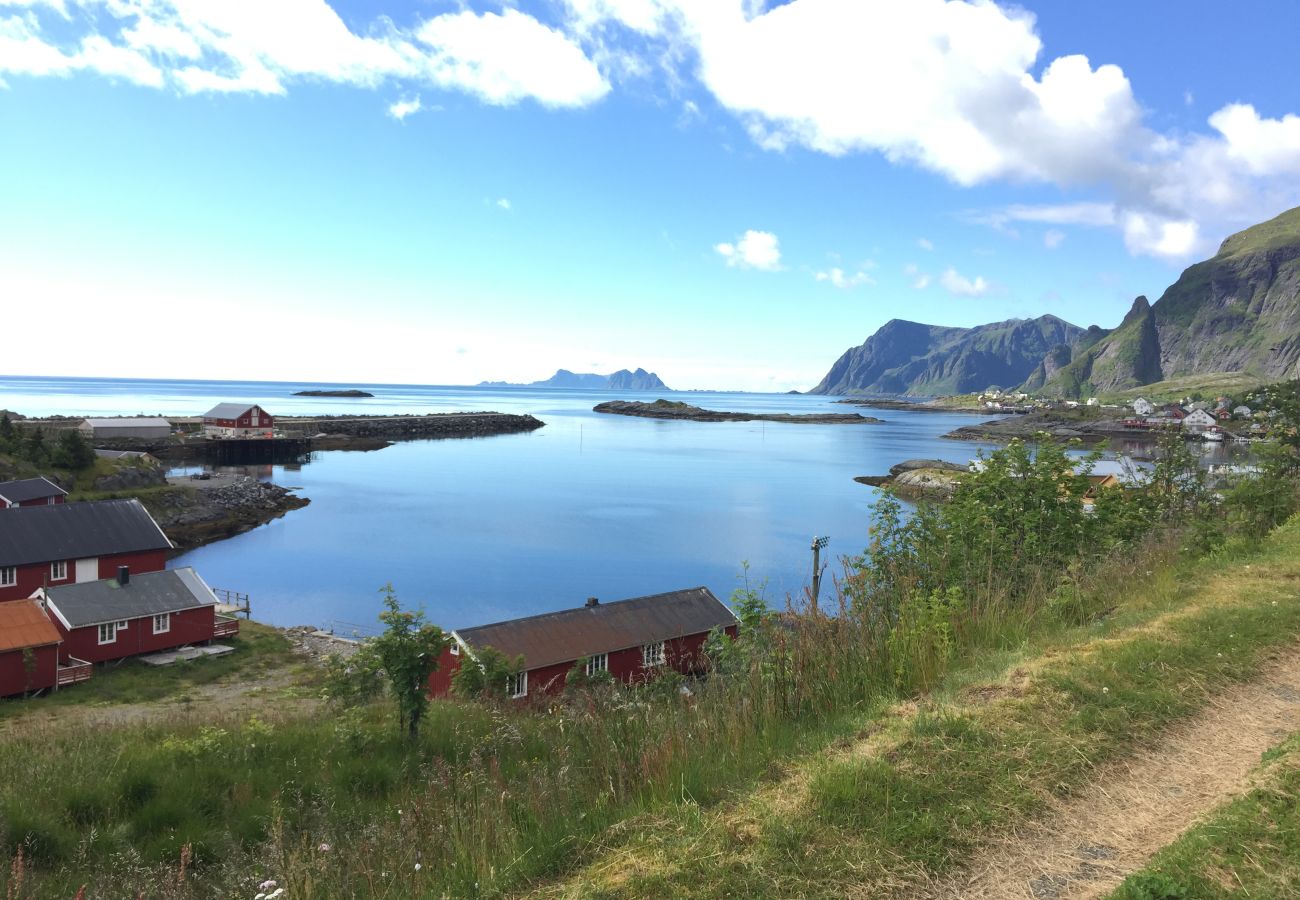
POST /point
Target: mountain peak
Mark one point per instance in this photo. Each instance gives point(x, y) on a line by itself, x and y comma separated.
point(1279, 231)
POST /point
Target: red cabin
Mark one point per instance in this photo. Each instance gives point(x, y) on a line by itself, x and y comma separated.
point(132, 614)
point(31, 492)
point(29, 649)
point(71, 543)
point(238, 420)
point(632, 640)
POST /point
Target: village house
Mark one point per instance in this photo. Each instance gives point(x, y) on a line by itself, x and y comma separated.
point(1242, 412)
point(30, 492)
point(237, 420)
point(128, 615)
point(128, 456)
point(29, 649)
point(1143, 407)
point(632, 640)
point(1198, 421)
point(98, 429)
point(71, 543)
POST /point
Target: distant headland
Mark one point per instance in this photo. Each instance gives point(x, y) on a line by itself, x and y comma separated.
point(351, 392)
point(622, 380)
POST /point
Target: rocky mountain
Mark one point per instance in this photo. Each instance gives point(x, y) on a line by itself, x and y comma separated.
point(911, 359)
point(622, 380)
point(1236, 312)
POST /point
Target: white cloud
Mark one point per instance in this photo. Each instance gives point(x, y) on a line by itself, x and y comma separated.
point(960, 286)
point(754, 250)
point(503, 203)
point(400, 109)
point(836, 277)
point(925, 244)
point(1053, 238)
point(922, 282)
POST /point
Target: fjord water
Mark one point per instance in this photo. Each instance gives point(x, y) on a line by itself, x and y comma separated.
point(485, 529)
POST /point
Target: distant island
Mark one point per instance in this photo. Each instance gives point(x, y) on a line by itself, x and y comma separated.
point(622, 380)
point(671, 409)
point(352, 392)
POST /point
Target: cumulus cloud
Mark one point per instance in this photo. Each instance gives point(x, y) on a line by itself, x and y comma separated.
point(504, 203)
point(247, 46)
point(1053, 238)
point(960, 286)
point(836, 277)
point(400, 109)
point(921, 282)
point(925, 244)
point(754, 250)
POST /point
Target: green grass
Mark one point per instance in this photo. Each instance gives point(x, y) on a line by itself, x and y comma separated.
point(258, 649)
point(1232, 384)
point(1248, 848)
point(1283, 230)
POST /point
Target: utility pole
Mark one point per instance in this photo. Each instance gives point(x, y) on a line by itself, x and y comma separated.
point(817, 544)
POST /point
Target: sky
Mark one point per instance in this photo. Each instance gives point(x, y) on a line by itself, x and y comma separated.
point(729, 193)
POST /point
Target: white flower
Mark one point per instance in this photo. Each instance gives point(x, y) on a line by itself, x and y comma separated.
point(1105, 690)
point(418, 867)
point(275, 893)
point(324, 848)
point(267, 885)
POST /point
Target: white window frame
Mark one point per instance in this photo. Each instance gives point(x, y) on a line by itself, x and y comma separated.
point(121, 624)
point(8, 576)
point(165, 619)
point(653, 654)
point(597, 662)
point(107, 633)
point(50, 501)
point(455, 649)
point(59, 570)
point(517, 685)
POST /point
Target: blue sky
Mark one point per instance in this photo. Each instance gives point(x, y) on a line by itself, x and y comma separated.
point(729, 193)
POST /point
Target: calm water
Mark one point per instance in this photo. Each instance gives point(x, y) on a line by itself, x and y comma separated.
point(487, 529)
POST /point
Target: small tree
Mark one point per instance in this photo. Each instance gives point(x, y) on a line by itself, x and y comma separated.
point(485, 674)
point(406, 653)
point(72, 451)
point(8, 434)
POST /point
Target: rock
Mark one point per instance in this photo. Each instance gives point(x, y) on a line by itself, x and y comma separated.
point(670, 409)
point(937, 464)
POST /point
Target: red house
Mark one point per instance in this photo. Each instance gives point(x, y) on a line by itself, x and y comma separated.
point(69, 543)
point(226, 420)
point(30, 492)
point(132, 614)
point(630, 639)
point(29, 649)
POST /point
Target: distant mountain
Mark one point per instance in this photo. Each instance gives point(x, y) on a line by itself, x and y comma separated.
point(911, 359)
point(622, 380)
point(1236, 312)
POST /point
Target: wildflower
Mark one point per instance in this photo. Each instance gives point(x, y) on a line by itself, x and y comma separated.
point(267, 885)
point(324, 848)
point(418, 867)
point(1105, 690)
point(1218, 654)
point(275, 893)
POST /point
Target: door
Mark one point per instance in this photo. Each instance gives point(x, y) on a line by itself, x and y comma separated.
point(88, 569)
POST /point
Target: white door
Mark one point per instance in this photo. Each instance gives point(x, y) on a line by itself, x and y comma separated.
point(88, 569)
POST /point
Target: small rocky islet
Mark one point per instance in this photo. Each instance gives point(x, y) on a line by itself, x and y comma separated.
point(676, 409)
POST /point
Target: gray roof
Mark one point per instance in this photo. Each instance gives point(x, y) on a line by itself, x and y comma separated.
point(147, 594)
point(121, 454)
point(123, 422)
point(35, 534)
point(571, 634)
point(228, 410)
point(30, 489)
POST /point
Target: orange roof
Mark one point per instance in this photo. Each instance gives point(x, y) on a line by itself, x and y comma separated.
point(23, 623)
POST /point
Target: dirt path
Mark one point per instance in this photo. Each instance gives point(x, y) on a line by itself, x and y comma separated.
point(1088, 844)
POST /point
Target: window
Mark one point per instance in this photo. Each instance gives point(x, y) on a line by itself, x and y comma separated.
point(108, 633)
point(517, 685)
point(8, 576)
point(455, 649)
point(50, 501)
point(121, 626)
point(162, 623)
point(597, 662)
point(653, 654)
point(59, 570)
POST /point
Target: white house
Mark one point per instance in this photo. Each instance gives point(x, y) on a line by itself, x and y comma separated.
point(1199, 420)
point(1143, 407)
point(1241, 412)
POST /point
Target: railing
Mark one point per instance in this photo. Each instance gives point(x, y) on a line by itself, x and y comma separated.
point(226, 626)
point(234, 601)
point(75, 670)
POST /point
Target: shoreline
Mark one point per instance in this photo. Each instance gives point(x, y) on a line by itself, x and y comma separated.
point(676, 410)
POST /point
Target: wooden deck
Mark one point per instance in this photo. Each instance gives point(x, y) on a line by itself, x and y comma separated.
point(74, 671)
point(226, 626)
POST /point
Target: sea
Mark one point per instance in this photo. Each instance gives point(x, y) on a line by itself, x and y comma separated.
point(485, 529)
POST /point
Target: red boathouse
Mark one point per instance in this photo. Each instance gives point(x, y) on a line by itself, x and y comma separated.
point(632, 640)
point(237, 420)
point(29, 648)
point(31, 492)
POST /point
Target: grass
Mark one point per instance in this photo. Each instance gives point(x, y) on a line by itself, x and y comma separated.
point(259, 649)
point(926, 786)
point(1248, 848)
point(1231, 384)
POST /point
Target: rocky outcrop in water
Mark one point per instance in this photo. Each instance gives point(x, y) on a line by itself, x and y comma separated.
point(668, 409)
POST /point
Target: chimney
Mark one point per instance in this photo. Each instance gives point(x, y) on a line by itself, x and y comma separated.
point(123, 575)
point(593, 601)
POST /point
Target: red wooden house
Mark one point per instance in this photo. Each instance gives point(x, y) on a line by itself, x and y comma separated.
point(630, 639)
point(132, 614)
point(30, 492)
point(29, 648)
point(237, 420)
point(71, 543)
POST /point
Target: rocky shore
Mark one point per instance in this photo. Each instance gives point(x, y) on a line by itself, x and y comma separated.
point(668, 409)
point(223, 507)
point(1060, 425)
point(932, 479)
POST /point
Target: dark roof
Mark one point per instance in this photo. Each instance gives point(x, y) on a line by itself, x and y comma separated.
point(146, 594)
point(30, 489)
point(122, 454)
point(23, 623)
point(35, 534)
point(574, 633)
point(229, 410)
